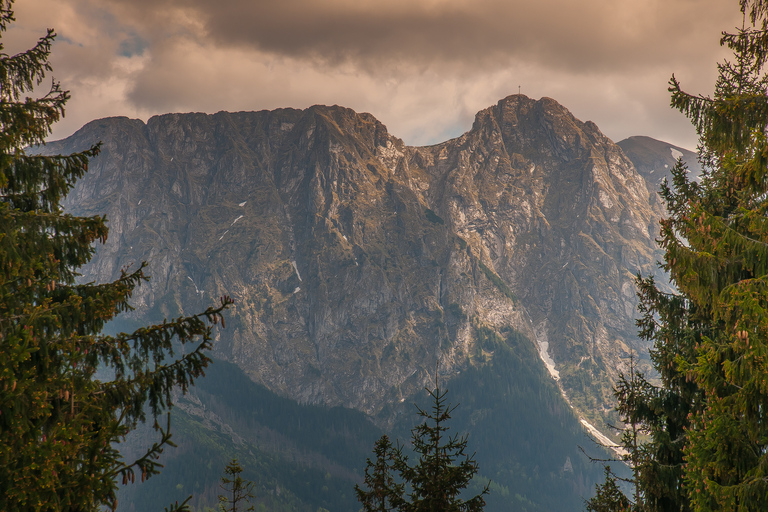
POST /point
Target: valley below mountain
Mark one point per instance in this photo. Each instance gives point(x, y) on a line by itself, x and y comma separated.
point(500, 264)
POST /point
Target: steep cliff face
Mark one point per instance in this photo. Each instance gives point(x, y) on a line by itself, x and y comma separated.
point(560, 214)
point(361, 266)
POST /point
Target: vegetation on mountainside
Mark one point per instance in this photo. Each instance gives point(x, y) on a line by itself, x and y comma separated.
point(707, 423)
point(305, 457)
point(497, 281)
point(300, 457)
point(519, 416)
point(60, 426)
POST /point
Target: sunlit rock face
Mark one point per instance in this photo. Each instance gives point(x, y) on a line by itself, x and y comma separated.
point(560, 214)
point(360, 266)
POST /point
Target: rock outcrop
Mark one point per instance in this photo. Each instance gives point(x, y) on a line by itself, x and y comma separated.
point(361, 266)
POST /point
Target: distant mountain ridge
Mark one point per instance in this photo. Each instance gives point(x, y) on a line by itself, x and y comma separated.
point(655, 159)
point(359, 264)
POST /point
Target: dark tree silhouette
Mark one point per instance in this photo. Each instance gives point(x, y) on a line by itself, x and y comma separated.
point(238, 491)
point(436, 479)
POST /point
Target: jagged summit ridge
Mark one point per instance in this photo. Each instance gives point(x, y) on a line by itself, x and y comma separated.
point(359, 264)
point(559, 212)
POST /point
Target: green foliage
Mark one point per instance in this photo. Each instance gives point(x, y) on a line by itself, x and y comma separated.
point(443, 469)
point(708, 421)
point(608, 497)
point(237, 489)
point(287, 449)
point(435, 481)
point(716, 243)
point(663, 413)
point(60, 426)
point(497, 281)
point(383, 491)
point(433, 217)
point(512, 392)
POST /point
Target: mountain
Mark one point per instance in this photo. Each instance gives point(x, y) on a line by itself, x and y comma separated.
point(364, 269)
point(655, 159)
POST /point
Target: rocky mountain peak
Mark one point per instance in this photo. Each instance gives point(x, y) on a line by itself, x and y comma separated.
point(556, 210)
point(362, 266)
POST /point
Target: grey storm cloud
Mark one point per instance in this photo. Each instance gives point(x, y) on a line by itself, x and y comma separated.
point(423, 67)
point(586, 35)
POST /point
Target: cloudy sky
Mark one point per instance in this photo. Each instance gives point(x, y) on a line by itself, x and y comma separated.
point(422, 67)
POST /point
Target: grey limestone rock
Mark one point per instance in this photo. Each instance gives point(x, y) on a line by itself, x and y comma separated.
point(361, 266)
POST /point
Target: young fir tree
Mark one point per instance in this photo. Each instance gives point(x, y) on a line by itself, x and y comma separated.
point(660, 413)
point(238, 491)
point(664, 412)
point(60, 427)
point(383, 491)
point(632, 391)
point(434, 483)
point(608, 497)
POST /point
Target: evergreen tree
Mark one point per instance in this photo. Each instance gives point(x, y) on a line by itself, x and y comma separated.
point(707, 425)
point(383, 491)
point(716, 246)
point(708, 422)
point(660, 414)
point(631, 391)
point(237, 489)
point(608, 497)
point(434, 483)
point(663, 412)
point(60, 427)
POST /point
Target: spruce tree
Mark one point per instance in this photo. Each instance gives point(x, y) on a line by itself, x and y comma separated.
point(707, 422)
point(435, 481)
point(664, 411)
point(661, 414)
point(717, 255)
point(709, 418)
point(381, 491)
point(60, 426)
point(443, 469)
point(238, 491)
point(608, 497)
